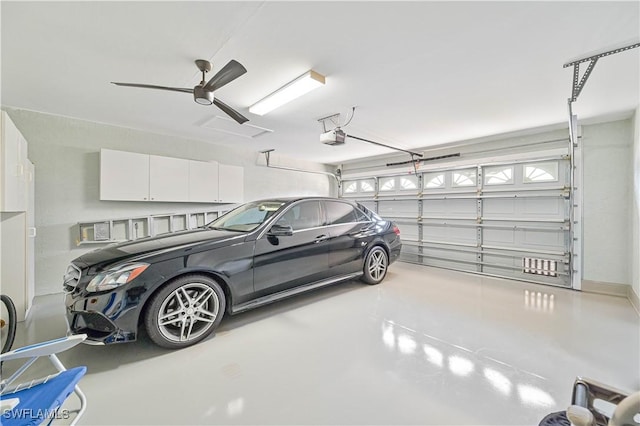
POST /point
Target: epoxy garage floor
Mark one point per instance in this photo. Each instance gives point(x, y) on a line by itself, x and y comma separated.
point(427, 346)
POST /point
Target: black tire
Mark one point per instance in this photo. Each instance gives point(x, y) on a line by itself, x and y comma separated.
point(7, 323)
point(185, 311)
point(375, 266)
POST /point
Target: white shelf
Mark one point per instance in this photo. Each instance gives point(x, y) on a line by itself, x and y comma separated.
point(134, 228)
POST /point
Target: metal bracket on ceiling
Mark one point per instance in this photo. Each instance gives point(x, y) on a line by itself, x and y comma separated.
point(335, 120)
point(267, 156)
point(578, 83)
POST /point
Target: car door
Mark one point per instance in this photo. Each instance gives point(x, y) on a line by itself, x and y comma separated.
point(287, 261)
point(350, 232)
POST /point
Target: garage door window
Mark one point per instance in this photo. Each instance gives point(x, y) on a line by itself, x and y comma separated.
point(464, 178)
point(368, 185)
point(433, 181)
point(501, 175)
point(359, 186)
point(398, 183)
point(541, 172)
point(350, 188)
point(388, 184)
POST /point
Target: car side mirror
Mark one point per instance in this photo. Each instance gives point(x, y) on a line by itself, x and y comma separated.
point(280, 231)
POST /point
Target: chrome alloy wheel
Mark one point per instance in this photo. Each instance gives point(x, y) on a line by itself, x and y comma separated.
point(377, 264)
point(188, 312)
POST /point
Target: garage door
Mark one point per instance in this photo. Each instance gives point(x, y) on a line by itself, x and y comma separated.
point(508, 219)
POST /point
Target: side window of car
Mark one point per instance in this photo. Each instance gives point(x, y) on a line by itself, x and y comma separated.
point(338, 212)
point(304, 215)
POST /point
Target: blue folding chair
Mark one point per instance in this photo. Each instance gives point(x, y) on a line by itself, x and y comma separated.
point(33, 402)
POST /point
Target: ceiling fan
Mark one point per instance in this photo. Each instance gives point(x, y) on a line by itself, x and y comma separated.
point(203, 92)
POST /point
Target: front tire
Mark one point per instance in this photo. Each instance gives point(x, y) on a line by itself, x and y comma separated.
point(7, 323)
point(185, 311)
point(375, 266)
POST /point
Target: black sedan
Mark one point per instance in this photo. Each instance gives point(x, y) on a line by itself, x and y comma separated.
point(179, 286)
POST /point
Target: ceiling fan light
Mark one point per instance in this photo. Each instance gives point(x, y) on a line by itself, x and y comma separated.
point(201, 96)
point(296, 88)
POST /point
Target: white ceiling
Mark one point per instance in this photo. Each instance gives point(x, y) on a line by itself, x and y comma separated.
point(420, 73)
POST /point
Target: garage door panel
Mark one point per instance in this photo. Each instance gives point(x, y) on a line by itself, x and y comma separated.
point(534, 209)
point(499, 207)
point(543, 207)
point(534, 239)
point(408, 231)
point(452, 208)
point(449, 254)
point(544, 240)
point(449, 233)
point(458, 266)
point(560, 280)
point(404, 208)
point(499, 236)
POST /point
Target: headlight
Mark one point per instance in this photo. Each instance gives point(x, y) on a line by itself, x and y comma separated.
point(116, 277)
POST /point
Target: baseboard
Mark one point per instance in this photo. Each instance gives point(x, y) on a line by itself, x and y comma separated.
point(634, 299)
point(611, 289)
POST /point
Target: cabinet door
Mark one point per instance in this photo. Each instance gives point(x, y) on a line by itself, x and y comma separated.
point(231, 183)
point(23, 174)
point(13, 150)
point(203, 181)
point(168, 179)
point(124, 176)
point(30, 198)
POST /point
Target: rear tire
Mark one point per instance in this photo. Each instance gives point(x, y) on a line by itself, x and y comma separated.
point(185, 311)
point(375, 266)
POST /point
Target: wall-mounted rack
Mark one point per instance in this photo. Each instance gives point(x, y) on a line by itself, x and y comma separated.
point(133, 228)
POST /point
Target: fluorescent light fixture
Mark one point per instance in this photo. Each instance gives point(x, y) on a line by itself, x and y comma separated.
point(298, 87)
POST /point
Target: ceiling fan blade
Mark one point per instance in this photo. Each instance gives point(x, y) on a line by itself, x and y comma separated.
point(230, 111)
point(150, 86)
point(227, 74)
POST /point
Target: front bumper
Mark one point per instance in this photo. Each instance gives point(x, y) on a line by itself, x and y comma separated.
point(105, 318)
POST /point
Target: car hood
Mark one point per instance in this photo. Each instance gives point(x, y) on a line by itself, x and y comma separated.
point(149, 246)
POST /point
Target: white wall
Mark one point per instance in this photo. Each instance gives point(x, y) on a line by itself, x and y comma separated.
point(635, 211)
point(66, 154)
point(607, 182)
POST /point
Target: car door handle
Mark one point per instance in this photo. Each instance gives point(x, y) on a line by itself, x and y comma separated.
point(321, 238)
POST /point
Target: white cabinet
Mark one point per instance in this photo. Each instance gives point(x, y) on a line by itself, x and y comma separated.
point(127, 176)
point(30, 196)
point(13, 246)
point(168, 179)
point(203, 182)
point(231, 183)
point(13, 160)
point(124, 176)
point(17, 229)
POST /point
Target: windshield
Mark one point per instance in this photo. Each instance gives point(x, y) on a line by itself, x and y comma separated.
point(246, 217)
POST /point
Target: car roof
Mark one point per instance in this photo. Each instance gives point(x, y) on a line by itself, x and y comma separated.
point(300, 198)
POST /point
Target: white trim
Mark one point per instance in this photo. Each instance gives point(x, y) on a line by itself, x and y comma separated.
point(634, 299)
point(600, 287)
